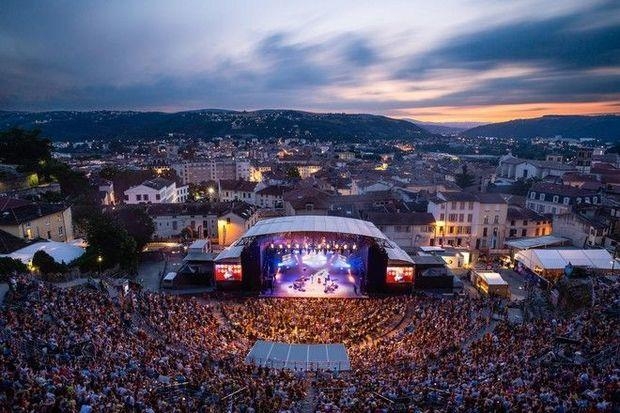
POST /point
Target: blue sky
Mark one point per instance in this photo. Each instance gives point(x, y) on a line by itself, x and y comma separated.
point(450, 60)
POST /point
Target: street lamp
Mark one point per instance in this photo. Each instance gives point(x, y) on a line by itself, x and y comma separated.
point(99, 260)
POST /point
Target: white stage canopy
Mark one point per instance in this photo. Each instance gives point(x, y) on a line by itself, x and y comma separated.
point(558, 259)
point(316, 223)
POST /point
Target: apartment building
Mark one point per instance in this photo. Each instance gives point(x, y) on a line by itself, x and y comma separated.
point(212, 170)
point(549, 198)
point(468, 220)
point(28, 220)
point(156, 191)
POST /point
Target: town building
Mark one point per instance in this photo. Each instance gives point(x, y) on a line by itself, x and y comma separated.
point(550, 198)
point(523, 222)
point(408, 230)
point(584, 226)
point(271, 197)
point(221, 223)
point(469, 220)
point(28, 220)
point(106, 192)
point(307, 201)
point(156, 191)
point(513, 168)
point(212, 170)
point(236, 190)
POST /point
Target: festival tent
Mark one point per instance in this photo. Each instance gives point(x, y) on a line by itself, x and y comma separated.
point(59, 251)
point(556, 260)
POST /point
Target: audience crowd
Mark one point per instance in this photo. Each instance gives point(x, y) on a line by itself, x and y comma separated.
point(89, 350)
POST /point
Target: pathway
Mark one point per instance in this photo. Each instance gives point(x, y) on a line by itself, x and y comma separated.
point(311, 400)
point(479, 334)
point(4, 288)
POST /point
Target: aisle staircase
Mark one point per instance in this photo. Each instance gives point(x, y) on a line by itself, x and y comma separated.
point(397, 326)
point(479, 334)
point(310, 402)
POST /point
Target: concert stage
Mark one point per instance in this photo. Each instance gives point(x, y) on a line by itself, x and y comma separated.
point(284, 286)
point(314, 274)
point(314, 256)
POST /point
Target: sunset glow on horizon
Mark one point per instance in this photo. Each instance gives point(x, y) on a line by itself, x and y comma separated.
point(502, 113)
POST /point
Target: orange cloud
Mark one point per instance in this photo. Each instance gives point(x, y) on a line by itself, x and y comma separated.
point(500, 113)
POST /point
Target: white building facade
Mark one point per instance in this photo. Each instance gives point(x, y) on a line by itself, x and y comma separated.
point(156, 191)
point(474, 221)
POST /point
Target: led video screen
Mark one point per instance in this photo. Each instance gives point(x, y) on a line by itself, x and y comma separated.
point(399, 275)
point(228, 272)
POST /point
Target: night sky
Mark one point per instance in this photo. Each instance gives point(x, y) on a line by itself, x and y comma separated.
point(430, 60)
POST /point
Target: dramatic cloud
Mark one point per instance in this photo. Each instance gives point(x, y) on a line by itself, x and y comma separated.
point(403, 58)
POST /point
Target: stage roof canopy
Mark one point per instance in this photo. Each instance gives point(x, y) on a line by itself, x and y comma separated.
point(316, 223)
point(304, 357)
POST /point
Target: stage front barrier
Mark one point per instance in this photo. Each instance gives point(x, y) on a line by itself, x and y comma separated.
point(299, 357)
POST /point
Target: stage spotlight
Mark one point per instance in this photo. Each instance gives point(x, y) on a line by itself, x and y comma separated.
point(271, 246)
point(280, 246)
point(345, 246)
point(354, 246)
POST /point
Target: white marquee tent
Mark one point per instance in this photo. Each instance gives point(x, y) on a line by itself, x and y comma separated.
point(544, 259)
point(59, 251)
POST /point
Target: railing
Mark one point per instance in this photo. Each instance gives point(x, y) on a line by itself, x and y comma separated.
point(297, 365)
point(234, 394)
point(383, 397)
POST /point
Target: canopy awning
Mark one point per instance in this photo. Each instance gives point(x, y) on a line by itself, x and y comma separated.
point(558, 259)
point(535, 242)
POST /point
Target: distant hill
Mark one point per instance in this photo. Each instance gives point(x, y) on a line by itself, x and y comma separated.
point(105, 125)
point(604, 127)
point(445, 128)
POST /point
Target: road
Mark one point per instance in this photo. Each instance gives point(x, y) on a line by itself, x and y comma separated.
point(150, 272)
point(516, 284)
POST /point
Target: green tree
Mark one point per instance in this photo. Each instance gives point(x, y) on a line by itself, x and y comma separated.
point(464, 179)
point(138, 224)
point(106, 238)
point(27, 149)
point(9, 265)
point(73, 184)
point(46, 264)
point(293, 173)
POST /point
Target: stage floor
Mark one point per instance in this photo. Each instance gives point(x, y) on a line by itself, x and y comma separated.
point(283, 286)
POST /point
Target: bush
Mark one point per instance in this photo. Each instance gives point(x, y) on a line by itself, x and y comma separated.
point(46, 264)
point(9, 266)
